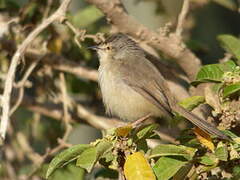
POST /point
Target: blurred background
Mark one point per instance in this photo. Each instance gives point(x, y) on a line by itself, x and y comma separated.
point(32, 130)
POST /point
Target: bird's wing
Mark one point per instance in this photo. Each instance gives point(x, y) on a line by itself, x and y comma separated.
point(141, 75)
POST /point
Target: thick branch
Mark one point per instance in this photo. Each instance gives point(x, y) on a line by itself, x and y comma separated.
point(171, 46)
point(82, 113)
point(55, 112)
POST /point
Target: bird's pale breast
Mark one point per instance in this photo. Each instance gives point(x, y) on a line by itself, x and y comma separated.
point(120, 99)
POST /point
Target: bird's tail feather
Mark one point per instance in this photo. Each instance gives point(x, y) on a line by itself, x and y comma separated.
point(204, 125)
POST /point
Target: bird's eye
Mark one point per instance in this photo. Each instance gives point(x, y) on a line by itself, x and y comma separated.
point(108, 48)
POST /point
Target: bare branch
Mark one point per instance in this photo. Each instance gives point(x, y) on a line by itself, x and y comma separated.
point(21, 85)
point(95, 120)
point(99, 122)
point(62, 64)
point(18, 101)
point(182, 17)
point(27, 149)
point(58, 15)
point(66, 103)
point(22, 82)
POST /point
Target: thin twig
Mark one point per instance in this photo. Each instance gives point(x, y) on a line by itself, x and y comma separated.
point(81, 34)
point(47, 9)
point(62, 64)
point(21, 85)
point(182, 17)
point(10, 170)
point(66, 117)
point(58, 15)
point(19, 101)
point(66, 103)
point(140, 121)
point(27, 149)
point(22, 82)
point(64, 97)
point(49, 152)
point(77, 33)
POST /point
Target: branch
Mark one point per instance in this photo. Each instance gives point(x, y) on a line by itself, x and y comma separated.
point(182, 17)
point(60, 63)
point(21, 85)
point(58, 15)
point(66, 101)
point(170, 46)
point(82, 114)
point(96, 121)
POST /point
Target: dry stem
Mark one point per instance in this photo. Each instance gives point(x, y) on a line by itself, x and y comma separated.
point(58, 15)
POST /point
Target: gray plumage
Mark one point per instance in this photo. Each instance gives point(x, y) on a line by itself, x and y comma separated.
point(132, 87)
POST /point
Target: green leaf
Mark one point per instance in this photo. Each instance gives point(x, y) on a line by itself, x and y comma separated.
point(106, 174)
point(221, 152)
point(208, 160)
point(228, 66)
point(172, 150)
point(230, 134)
point(231, 89)
point(66, 157)
point(231, 44)
point(142, 145)
point(3, 4)
point(217, 87)
point(167, 167)
point(107, 158)
point(91, 155)
point(236, 173)
point(70, 171)
point(145, 132)
point(87, 16)
point(214, 72)
point(209, 73)
point(192, 102)
point(87, 159)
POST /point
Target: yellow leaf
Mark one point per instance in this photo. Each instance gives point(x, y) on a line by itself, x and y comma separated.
point(204, 138)
point(55, 45)
point(124, 130)
point(137, 167)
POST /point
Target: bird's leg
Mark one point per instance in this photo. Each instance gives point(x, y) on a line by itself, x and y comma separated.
point(124, 130)
point(140, 120)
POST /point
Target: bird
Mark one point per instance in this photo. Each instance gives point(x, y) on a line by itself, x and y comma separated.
point(132, 87)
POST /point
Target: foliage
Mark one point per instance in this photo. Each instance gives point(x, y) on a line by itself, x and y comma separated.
point(194, 155)
point(166, 160)
point(38, 130)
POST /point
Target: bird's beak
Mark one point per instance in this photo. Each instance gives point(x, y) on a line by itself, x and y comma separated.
point(94, 48)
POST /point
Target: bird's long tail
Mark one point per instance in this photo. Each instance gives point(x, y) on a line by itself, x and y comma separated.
point(204, 125)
